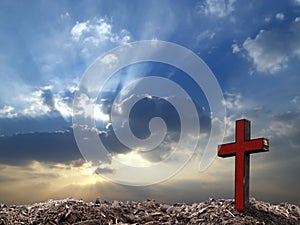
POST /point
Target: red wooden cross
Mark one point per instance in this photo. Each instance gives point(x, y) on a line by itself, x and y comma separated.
point(241, 149)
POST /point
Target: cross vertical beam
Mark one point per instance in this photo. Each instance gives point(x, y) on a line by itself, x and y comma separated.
point(241, 149)
point(242, 161)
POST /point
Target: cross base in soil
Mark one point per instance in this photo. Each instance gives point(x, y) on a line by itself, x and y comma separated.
point(241, 149)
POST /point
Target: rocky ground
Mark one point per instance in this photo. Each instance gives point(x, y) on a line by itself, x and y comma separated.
point(78, 212)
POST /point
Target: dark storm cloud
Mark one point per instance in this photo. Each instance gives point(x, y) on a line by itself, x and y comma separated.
point(21, 149)
point(9, 126)
point(146, 109)
point(111, 142)
point(60, 147)
point(140, 115)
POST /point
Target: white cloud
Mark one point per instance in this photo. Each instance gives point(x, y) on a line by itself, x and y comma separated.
point(26, 103)
point(218, 8)
point(41, 102)
point(110, 59)
point(267, 56)
point(98, 31)
point(8, 112)
point(280, 16)
point(99, 114)
point(47, 87)
point(133, 158)
point(207, 34)
point(78, 30)
point(84, 106)
point(232, 100)
point(34, 105)
point(93, 36)
point(235, 48)
point(270, 51)
point(64, 109)
point(230, 128)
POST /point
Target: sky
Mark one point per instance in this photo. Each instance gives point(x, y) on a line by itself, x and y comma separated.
point(47, 49)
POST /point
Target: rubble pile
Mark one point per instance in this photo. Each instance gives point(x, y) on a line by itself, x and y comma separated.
point(150, 212)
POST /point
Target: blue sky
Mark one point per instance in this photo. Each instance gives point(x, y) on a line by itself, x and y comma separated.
point(252, 47)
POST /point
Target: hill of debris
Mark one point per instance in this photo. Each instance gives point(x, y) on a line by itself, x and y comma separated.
point(150, 212)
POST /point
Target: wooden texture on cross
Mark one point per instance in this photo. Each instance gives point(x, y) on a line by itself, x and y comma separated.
point(241, 149)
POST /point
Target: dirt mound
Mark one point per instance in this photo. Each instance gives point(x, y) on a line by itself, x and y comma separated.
point(71, 211)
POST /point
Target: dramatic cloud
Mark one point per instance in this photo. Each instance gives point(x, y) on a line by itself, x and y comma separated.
point(23, 125)
point(40, 103)
point(43, 61)
point(21, 149)
point(271, 50)
point(39, 83)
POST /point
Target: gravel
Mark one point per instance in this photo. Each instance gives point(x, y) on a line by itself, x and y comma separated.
point(150, 212)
